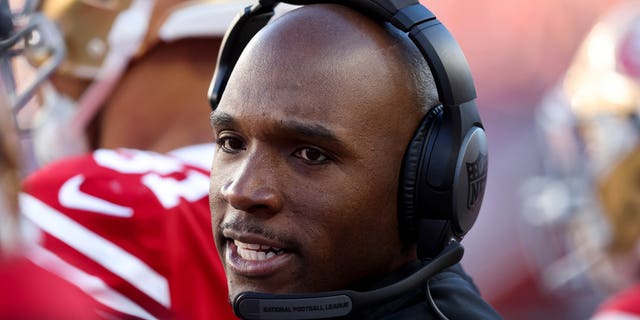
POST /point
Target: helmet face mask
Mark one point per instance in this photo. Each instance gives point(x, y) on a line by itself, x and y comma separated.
point(31, 48)
point(23, 34)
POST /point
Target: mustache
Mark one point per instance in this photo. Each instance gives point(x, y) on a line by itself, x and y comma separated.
point(243, 226)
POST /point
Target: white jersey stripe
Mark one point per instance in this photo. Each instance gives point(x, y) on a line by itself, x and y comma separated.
point(92, 285)
point(105, 253)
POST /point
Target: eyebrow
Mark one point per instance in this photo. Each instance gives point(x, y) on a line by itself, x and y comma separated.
point(291, 128)
point(221, 119)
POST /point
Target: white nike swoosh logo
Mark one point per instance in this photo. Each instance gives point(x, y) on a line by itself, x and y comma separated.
point(72, 197)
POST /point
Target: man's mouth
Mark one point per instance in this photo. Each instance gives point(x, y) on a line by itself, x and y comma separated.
point(255, 258)
point(256, 252)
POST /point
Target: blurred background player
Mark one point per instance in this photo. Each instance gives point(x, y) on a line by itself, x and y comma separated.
point(131, 226)
point(588, 202)
point(28, 291)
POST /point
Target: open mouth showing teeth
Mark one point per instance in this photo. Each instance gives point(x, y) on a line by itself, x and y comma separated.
point(256, 252)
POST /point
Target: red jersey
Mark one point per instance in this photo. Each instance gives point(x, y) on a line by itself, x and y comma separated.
point(132, 229)
point(30, 292)
point(622, 306)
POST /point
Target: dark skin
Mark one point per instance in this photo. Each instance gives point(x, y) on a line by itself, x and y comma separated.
point(310, 136)
point(165, 91)
point(160, 101)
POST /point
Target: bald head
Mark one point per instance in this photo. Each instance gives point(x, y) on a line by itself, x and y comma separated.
point(331, 45)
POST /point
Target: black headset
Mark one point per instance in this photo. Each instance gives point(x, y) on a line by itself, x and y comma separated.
point(444, 169)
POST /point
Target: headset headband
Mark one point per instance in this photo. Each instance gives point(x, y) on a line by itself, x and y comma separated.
point(445, 58)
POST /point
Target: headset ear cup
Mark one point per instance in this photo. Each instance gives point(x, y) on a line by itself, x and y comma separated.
point(469, 181)
point(413, 163)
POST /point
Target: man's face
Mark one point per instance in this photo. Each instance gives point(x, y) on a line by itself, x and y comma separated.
point(305, 174)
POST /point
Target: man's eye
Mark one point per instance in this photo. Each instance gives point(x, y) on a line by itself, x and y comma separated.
point(311, 155)
point(231, 144)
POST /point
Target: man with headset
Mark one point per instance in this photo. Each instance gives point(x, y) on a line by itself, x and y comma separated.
point(319, 208)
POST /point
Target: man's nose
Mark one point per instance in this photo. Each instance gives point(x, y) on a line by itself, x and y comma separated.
point(253, 186)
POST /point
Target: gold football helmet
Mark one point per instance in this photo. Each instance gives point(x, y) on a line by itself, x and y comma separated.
point(588, 200)
point(102, 38)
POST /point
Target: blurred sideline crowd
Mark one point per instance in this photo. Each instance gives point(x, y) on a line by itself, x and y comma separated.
point(108, 97)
